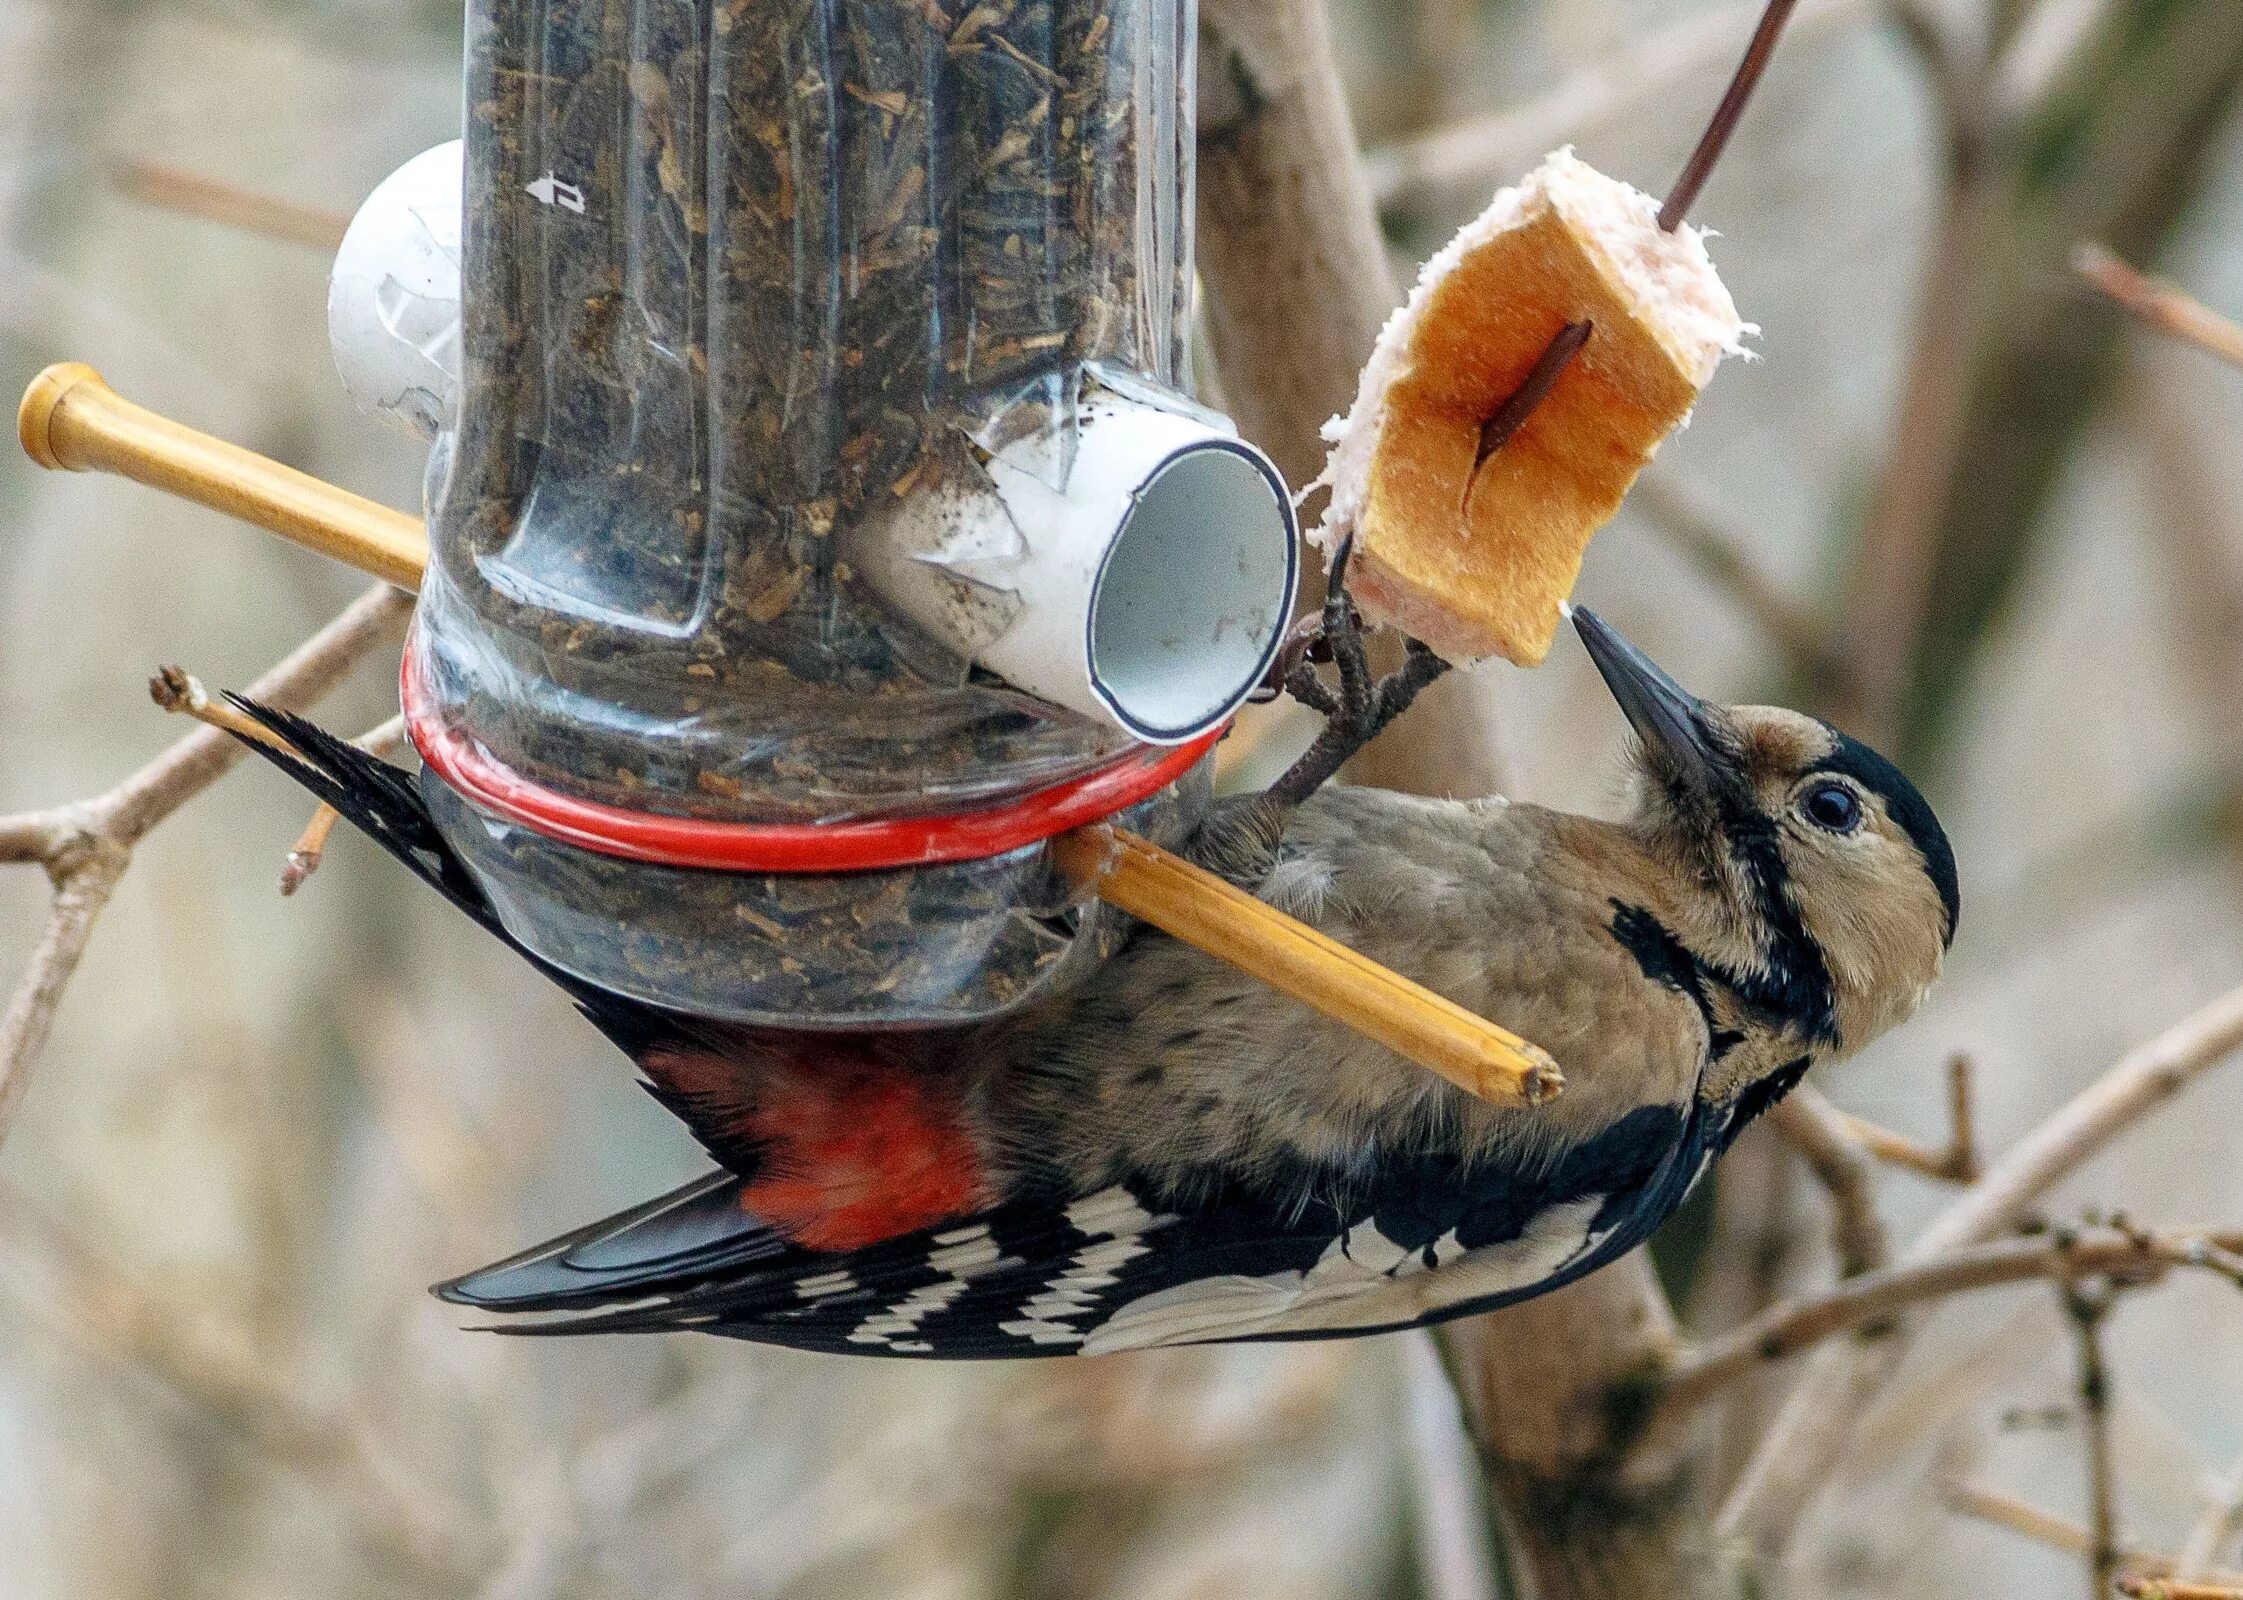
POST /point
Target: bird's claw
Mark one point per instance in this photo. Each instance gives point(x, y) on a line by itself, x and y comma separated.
point(1359, 708)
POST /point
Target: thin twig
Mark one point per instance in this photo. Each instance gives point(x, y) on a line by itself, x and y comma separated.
point(86, 846)
point(2030, 1521)
point(1727, 115)
point(1958, 1163)
point(1962, 1120)
point(374, 620)
point(2164, 306)
point(1817, 1130)
point(180, 692)
point(194, 195)
point(1797, 1455)
point(80, 895)
point(2137, 1587)
point(2088, 1307)
point(2139, 1082)
point(310, 848)
point(1787, 1328)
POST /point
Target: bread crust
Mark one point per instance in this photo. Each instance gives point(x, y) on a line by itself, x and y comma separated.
point(1476, 561)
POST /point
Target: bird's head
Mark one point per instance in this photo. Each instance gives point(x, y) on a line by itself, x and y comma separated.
point(1823, 885)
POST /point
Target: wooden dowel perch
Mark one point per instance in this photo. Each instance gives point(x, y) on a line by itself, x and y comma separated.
point(71, 420)
point(1202, 910)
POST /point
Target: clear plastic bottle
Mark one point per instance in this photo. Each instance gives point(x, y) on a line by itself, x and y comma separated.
point(757, 294)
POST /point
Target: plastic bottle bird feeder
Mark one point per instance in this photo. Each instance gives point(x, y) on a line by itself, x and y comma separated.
point(822, 523)
point(819, 671)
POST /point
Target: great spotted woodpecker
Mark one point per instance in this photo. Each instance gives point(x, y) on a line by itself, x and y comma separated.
point(1172, 1153)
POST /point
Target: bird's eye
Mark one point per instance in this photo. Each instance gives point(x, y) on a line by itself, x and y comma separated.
point(1832, 807)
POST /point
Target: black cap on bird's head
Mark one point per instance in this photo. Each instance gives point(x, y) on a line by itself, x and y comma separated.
point(1843, 865)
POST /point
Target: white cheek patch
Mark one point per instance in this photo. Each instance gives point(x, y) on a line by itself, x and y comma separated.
point(1363, 1280)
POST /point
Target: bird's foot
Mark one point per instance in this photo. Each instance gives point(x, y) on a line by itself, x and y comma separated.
point(1356, 708)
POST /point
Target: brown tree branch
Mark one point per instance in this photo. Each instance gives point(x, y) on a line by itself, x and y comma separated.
point(310, 848)
point(81, 891)
point(2162, 305)
point(192, 194)
point(2031, 1522)
point(1298, 287)
point(1298, 282)
point(1786, 1329)
point(2087, 1308)
point(1958, 1163)
point(86, 847)
point(1804, 1445)
point(1552, 1391)
point(2006, 368)
point(1818, 1131)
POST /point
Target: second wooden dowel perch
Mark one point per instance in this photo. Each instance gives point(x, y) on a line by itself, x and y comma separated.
point(1192, 904)
point(72, 420)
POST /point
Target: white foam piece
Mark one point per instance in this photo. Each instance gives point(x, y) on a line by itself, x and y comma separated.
point(393, 300)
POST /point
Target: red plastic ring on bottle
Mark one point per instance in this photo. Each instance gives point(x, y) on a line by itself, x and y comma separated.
point(862, 846)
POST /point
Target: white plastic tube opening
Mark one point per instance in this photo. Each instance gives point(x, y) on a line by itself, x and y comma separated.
point(1193, 596)
point(1138, 569)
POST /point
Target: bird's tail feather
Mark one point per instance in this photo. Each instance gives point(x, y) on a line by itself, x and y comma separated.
point(668, 1244)
point(380, 800)
point(384, 802)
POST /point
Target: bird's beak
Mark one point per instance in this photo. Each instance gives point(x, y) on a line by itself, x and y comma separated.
point(1666, 716)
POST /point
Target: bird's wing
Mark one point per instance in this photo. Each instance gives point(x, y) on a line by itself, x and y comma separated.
point(1123, 1269)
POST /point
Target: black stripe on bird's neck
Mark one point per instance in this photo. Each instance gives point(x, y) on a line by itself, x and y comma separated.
point(1759, 1095)
point(1792, 983)
point(1666, 960)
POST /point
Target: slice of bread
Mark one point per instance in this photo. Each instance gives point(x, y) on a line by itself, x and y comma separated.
point(1474, 561)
